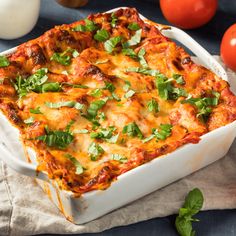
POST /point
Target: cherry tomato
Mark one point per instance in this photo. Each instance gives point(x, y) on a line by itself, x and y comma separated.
point(188, 14)
point(228, 47)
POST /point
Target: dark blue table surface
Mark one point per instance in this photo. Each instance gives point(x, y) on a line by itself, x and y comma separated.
point(212, 223)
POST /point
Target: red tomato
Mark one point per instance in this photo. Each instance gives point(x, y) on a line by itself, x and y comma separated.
point(188, 14)
point(228, 47)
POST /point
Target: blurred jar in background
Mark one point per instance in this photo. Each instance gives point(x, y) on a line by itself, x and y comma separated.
point(72, 3)
point(17, 17)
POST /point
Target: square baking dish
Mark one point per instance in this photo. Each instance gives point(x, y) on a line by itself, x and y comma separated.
point(163, 170)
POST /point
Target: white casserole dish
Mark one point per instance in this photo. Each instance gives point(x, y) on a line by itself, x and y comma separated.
point(137, 182)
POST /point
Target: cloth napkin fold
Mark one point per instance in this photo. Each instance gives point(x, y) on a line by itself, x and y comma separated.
point(26, 210)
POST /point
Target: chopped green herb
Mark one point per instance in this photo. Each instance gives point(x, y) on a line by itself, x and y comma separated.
point(118, 157)
point(105, 134)
point(78, 166)
point(162, 133)
point(101, 62)
point(153, 106)
point(178, 78)
point(4, 62)
point(109, 86)
point(58, 139)
point(95, 151)
point(115, 96)
point(30, 120)
point(36, 110)
point(126, 86)
point(111, 43)
point(64, 58)
point(94, 107)
point(130, 52)
point(50, 87)
point(133, 26)
point(89, 26)
point(135, 39)
point(75, 85)
point(193, 204)
point(132, 130)
point(129, 94)
point(80, 131)
point(73, 104)
point(142, 60)
point(101, 35)
point(114, 20)
point(144, 71)
point(204, 104)
point(96, 92)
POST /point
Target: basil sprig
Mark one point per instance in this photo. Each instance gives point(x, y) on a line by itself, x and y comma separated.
point(162, 133)
point(4, 62)
point(193, 204)
point(204, 105)
point(88, 27)
point(132, 130)
point(95, 151)
point(79, 169)
point(57, 138)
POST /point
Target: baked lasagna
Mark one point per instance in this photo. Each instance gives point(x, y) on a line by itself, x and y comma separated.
point(101, 96)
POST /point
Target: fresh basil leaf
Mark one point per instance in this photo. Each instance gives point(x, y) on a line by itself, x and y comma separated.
point(50, 87)
point(76, 163)
point(94, 107)
point(135, 39)
point(153, 106)
point(132, 130)
point(129, 94)
point(126, 86)
point(130, 52)
point(96, 92)
point(105, 134)
point(101, 35)
point(193, 204)
point(32, 83)
point(73, 104)
point(36, 110)
point(111, 43)
point(95, 151)
point(75, 85)
point(142, 60)
point(115, 96)
point(114, 20)
point(162, 133)
point(133, 26)
point(4, 62)
point(118, 157)
point(109, 86)
point(89, 26)
point(58, 139)
point(178, 78)
point(75, 53)
point(80, 131)
point(30, 120)
point(144, 71)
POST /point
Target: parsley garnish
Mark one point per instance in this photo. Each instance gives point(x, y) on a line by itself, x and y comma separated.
point(36, 110)
point(58, 139)
point(4, 62)
point(63, 58)
point(135, 39)
point(133, 26)
point(101, 35)
point(114, 20)
point(73, 104)
point(162, 133)
point(111, 43)
point(153, 106)
point(89, 26)
point(132, 130)
point(78, 166)
point(204, 104)
point(95, 151)
point(193, 204)
point(118, 157)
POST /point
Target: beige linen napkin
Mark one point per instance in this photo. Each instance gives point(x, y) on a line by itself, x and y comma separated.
point(26, 210)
